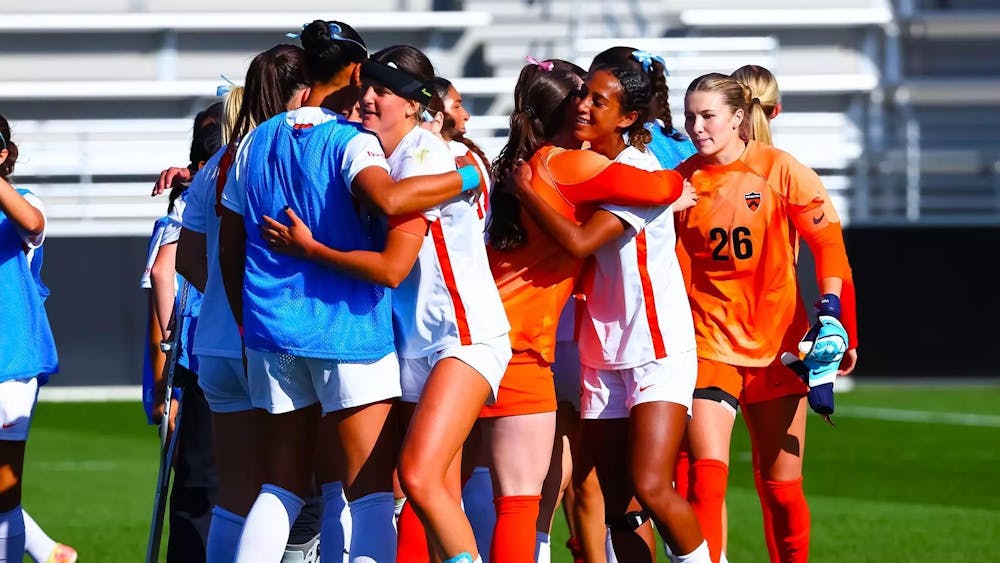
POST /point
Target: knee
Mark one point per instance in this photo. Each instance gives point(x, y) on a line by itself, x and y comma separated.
point(416, 480)
point(654, 488)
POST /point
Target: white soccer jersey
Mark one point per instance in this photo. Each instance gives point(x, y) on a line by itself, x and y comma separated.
point(216, 333)
point(155, 241)
point(637, 305)
point(459, 150)
point(449, 298)
point(33, 241)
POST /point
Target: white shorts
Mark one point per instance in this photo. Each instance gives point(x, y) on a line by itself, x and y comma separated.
point(281, 383)
point(566, 370)
point(17, 404)
point(613, 393)
point(225, 385)
point(488, 358)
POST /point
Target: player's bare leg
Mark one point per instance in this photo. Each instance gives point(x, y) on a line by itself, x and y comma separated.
point(449, 406)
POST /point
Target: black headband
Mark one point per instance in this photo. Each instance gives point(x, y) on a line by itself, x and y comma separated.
point(402, 83)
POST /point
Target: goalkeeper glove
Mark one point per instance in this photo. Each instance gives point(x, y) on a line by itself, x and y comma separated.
point(823, 348)
point(821, 396)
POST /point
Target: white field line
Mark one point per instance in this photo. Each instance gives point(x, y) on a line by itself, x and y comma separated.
point(89, 394)
point(902, 415)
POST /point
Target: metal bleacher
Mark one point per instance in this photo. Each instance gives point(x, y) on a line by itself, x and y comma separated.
point(887, 101)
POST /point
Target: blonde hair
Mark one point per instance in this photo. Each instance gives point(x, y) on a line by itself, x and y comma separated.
point(230, 111)
point(765, 98)
point(734, 94)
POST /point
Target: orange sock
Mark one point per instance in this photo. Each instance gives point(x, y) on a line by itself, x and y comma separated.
point(772, 546)
point(708, 491)
point(411, 546)
point(790, 519)
point(682, 474)
point(514, 533)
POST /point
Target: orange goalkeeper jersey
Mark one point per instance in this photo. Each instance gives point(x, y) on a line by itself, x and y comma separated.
point(738, 249)
point(536, 279)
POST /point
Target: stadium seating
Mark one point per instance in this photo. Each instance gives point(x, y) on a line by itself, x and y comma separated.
point(886, 102)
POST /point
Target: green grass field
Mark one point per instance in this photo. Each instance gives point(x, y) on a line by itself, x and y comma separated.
point(909, 475)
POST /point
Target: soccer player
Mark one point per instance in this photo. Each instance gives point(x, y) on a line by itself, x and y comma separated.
point(764, 87)
point(738, 248)
point(670, 147)
point(195, 485)
point(27, 348)
point(636, 338)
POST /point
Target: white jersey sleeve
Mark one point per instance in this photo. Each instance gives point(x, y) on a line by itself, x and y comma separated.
point(152, 250)
point(421, 160)
point(172, 231)
point(30, 240)
point(202, 187)
point(361, 152)
point(234, 197)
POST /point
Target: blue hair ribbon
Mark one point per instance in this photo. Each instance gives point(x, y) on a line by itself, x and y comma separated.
point(4, 141)
point(223, 89)
point(647, 58)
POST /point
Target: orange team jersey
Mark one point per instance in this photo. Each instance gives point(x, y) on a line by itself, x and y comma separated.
point(536, 279)
point(738, 249)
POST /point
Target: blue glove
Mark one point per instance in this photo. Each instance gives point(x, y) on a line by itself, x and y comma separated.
point(824, 345)
point(821, 395)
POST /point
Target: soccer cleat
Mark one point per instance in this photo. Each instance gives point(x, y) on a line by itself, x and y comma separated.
point(62, 553)
point(463, 557)
point(302, 553)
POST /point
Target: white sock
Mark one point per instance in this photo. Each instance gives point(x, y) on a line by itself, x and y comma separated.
point(699, 555)
point(37, 544)
point(722, 558)
point(223, 535)
point(12, 536)
point(477, 499)
point(332, 536)
point(373, 537)
point(609, 548)
point(265, 532)
point(543, 548)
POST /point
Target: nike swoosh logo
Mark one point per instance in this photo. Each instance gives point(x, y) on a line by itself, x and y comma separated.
point(11, 425)
point(641, 389)
point(816, 220)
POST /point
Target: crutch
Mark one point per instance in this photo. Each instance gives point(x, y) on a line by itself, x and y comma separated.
point(168, 440)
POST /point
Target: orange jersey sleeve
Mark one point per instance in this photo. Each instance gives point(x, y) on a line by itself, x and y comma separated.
point(585, 176)
point(740, 243)
point(536, 279)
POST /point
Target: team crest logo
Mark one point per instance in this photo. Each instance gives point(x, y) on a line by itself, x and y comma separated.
point(753, 200)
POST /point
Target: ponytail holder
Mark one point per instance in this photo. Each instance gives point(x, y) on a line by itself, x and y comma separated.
point(647, 58)
point(223, 89)
point(546, 66)
point(530, 112)
point(4, 143)
point(755, 101)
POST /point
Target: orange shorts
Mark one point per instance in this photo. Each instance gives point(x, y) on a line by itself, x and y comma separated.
point(750, 384)
point(527, 387)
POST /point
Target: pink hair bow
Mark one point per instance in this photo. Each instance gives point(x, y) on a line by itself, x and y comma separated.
point(546, 66)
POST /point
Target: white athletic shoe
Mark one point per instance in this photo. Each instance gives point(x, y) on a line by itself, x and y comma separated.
point(302, 553)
